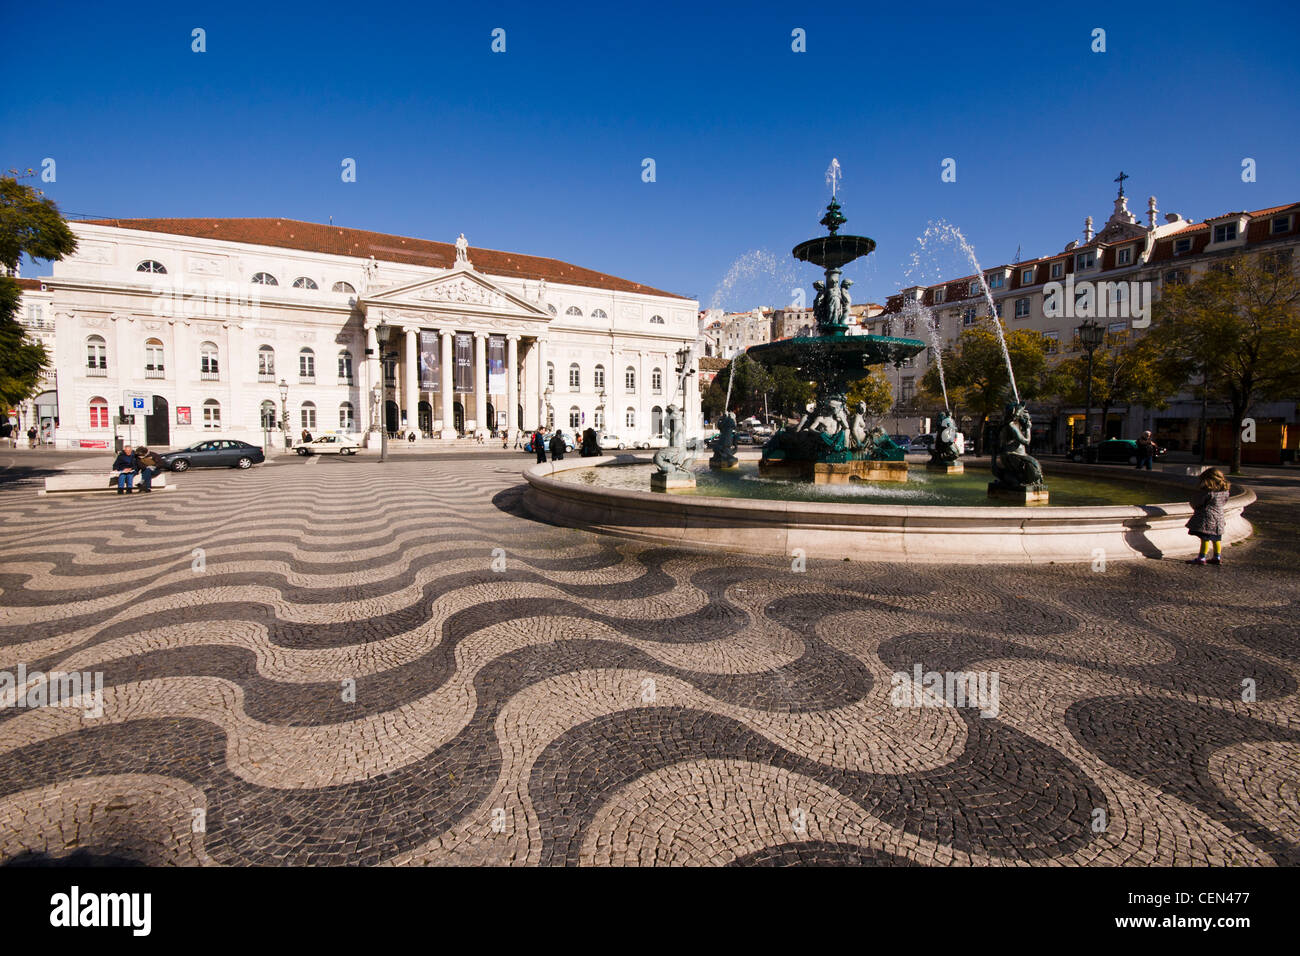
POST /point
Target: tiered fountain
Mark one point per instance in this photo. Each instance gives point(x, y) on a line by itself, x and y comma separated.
point(833, 444)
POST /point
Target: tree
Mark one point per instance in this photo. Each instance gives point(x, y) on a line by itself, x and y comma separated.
point(976, 373)
point(750, 382)
point(1238, 326)
point(1126, 370)
point(29, 224)
point(875, 390)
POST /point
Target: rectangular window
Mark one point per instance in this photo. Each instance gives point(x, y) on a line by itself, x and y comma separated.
point(345, 368)
point(1022, 308)
point(940, 295)
point(1175, 277)
point(306, 365)
point(575, 379)
point(1279, 225)
point(657, 382)
point(1115, 328)
point(212, 417)
point(1058, 269)
point(974, 287)
point(98, 416)
point(630, 420)
point(908, 388)
point(629, 380)
point(1051, 342)
point(1225, 232)
point(1026, 276)
point(347, 422)
point(600, 376)
point(1085, 260)
point(309, 417)
point(996, 281)
point(1182, 246)
point(1124, 257)
point(968, 317)
point(999, 306)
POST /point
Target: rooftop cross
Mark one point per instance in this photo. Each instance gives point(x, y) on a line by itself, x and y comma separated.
point(1120, 179)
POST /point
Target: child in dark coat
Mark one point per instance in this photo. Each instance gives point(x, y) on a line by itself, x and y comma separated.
point(1208, 521)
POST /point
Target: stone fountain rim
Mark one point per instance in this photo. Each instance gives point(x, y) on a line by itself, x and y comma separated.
point(1241, 497)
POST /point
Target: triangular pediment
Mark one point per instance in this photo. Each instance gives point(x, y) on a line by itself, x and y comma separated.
point(457, 290)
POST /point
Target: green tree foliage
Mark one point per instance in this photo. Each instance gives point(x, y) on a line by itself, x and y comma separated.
point(29, 224)
point(874, 389)
point(785, 391)
point(976, 374)
point(1126, 370)
point(1238, 328)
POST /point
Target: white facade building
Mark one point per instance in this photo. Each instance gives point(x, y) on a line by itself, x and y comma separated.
point(212, 319)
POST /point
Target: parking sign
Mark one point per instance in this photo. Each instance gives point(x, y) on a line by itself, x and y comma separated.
point(141, 402)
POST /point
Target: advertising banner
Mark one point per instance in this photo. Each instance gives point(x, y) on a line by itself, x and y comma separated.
point(464, 368)
point(430, 364)
point(182, 414)
point(496, 363)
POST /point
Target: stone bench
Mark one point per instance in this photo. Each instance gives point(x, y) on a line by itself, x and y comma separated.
point(98, 481)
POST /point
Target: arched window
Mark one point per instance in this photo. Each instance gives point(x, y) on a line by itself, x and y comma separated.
point(266, 364)
point(657, 420)
point(598, 314)
point(551, 309)
point(573, 310)
point(600, 376)
point(575, 417)
point(657, 381)
point(550, 374)
point(268, 415)
point(309, 416)
point(98, 412)
point(153, 358)
point(212, 415)
point(343, 287)
point(656, 320)
point(598, 420)
point(209, 363)
point(345, 367)
point(575, 378)
point(264, 278)
point(302, 282)
point(347, 417)
point(306, 366)
point(149, 265)
point(96, 355)
point(629, 379)
point(630, 418)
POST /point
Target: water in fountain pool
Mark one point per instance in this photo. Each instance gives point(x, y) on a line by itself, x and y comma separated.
point(921, 488)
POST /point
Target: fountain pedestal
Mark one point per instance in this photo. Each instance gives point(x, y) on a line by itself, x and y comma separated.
point(832, 472)
point(662, 482)
point(719, 464)
point(1033, 495)
point(945, 467)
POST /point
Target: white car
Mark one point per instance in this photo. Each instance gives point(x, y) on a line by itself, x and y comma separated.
point(658, 441)
point(328, 445)
point(610, 441)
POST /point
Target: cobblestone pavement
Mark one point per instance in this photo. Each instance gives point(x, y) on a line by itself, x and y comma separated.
point(365, 663)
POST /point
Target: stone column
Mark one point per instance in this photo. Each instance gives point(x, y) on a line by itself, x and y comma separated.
point(412, 377)
point(373, 384)
point(480, 382)
point(541, 382)
point(448, 413)
point(512, 385)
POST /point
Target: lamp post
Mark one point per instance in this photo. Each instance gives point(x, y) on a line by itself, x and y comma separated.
point(684, 371)
point(1090, 335)
point(382, 331)
point(547, 412)
point(600, 407)
point(284, 412)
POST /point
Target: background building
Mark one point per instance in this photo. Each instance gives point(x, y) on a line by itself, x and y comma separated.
point(212, 319)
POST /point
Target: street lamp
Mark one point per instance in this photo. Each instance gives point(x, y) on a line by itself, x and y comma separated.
point(284, 412)
point(1090, 335)
point(382, 331)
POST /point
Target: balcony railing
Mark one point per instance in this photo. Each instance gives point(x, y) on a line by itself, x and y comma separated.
point(306, 379)
point(97, 372)
point(154, 373)
point(209, 376)
point(266, 376)
point(346, 380)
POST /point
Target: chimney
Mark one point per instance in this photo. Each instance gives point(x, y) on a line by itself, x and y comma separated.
point(1087, 230)
point(1152, 212)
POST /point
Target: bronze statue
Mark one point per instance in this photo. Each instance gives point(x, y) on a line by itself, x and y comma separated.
point(1013, 466)
point(724, 448)
point(674, 461)
point(946, 448)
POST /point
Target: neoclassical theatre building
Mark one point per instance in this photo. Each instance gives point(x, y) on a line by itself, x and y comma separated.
point(254, 328)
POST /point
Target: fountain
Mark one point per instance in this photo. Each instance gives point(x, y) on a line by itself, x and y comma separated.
point(826, 447)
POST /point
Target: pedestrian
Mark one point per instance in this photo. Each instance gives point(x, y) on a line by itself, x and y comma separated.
point(1208, 521)
point(539, 444)
point(126, 464)
point(150, 466)
point(410, 436)
point(557, 445)
point(519, 438)
point(31, 437)
point(1146, 449)
point(306, 436)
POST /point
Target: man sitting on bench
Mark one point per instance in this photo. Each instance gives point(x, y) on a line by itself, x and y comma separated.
point(126, 464)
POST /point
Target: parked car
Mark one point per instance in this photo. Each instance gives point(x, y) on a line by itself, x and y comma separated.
point(610, 441)
point(328, 445)
point(922, 443)
point(213, 453)
point(1113, 451)
point(568, 442)
point(902, 441)
point(656, 441)
point(744, 438)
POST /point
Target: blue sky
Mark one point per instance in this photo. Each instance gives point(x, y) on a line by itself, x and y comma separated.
point(539, 150)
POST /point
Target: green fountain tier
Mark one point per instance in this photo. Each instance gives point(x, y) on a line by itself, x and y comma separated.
point(835, 360)
point(833, 252)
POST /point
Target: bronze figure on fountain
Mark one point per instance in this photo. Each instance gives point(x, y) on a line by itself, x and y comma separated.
point(1016, 473)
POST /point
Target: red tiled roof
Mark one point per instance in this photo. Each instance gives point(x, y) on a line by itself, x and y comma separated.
point(361, 243)
point(29, 284)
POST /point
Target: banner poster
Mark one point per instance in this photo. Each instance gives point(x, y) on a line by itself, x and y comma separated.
point(182, 414)
point(496, 358)
point(430, 369)
point(464, 369)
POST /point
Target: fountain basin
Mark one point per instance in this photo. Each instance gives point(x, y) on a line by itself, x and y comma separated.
point(832, 472)
point(923, 534)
